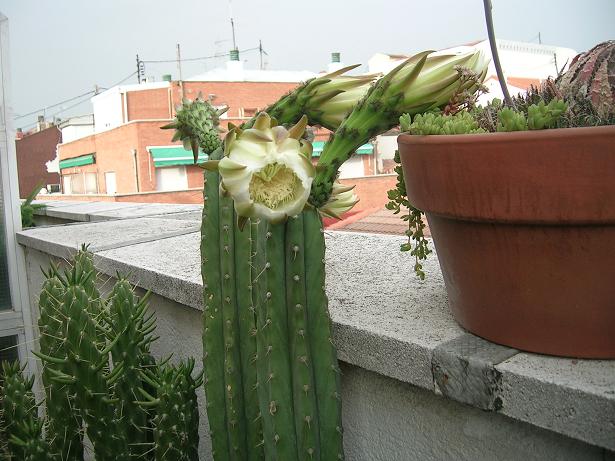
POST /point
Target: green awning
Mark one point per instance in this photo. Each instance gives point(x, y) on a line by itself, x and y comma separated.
point(318, 146)
point(174, 155)
point(77, 161)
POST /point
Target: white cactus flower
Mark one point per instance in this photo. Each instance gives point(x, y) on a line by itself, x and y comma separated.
point(267, 170)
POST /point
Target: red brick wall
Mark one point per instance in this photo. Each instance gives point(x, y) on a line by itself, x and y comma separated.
point(32, 153)
point(236, 95)
point(372, 192)
point(148, 104)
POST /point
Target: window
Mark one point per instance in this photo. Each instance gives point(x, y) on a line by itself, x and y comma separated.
point(110, 184)
point(249, 112)
point(80, 183)
point(171, 178)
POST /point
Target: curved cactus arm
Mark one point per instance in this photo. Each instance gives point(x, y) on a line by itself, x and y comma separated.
point(213, 336)
point(324, 355)
point(245, 248)
point(304, 396)
point(19, 423)
point(87, 364)
point(275, 390)
point(236, 424)
point(64, 430)
point(126, 317)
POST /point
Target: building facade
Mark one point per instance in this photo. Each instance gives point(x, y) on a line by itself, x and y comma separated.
point(35, 155)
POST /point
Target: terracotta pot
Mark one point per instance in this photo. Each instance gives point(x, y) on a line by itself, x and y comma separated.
point(524, 228)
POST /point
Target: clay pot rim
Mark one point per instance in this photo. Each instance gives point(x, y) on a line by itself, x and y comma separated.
point(436, 139)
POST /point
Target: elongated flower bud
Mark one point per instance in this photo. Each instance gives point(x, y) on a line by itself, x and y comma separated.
point(342, 200)
point(431, 80)
point(419, 84)
point(267, 169)
point(334, 100)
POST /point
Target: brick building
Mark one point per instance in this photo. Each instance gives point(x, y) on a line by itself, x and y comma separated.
point(35, 152)
point(127, 152)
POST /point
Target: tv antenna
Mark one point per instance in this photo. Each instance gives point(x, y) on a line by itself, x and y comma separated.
point(230, 13)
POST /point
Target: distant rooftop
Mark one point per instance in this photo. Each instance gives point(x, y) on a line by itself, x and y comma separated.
point(234, 72)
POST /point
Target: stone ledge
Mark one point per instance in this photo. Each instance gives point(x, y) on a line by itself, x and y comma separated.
point(385, 320)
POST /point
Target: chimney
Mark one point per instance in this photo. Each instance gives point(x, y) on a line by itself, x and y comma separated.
point(40, 123)
point(19, 134)
point(335, 63)
point(234, 67)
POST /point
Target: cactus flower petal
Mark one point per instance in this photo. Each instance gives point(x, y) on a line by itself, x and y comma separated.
point(267, 171)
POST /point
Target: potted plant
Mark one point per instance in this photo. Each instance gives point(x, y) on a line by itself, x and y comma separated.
point(523, 218)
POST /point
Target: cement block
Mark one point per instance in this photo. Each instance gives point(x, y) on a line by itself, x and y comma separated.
point(83, 210)
point(169, 267)
point(386, 318)
point(62, 241)
point(574, 397)
point(136, 210)
point(463, 369)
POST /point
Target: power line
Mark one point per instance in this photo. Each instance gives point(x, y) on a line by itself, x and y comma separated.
point(43, 109)
point(202, 58)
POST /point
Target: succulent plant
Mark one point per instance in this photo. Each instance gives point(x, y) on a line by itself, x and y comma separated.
point(196, 125)
point(79, 332)
point(591, 76)
point(176, 434)
point(20, 425)
point(64, 430)
point(129, 322)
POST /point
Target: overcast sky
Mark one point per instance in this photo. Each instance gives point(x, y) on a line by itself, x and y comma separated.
point(62, 48)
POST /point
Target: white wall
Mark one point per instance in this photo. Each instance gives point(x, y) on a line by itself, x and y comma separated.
point(352, 168)
point(107, 109)
point(72, 132)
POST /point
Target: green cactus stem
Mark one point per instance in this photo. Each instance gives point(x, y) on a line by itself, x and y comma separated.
point(176, 435)
point(323, 352)
point(20, 425)
point(213, 327)
point(86, 365)
point(64, 430)
point(245, 248)
point(131, 350)
point(303, 382)
point(275, 377)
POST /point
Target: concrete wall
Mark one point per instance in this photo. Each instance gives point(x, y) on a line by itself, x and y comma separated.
point(384, 419)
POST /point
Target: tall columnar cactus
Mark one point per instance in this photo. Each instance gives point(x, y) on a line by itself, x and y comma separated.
point(271, 374)
point(20, 425)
